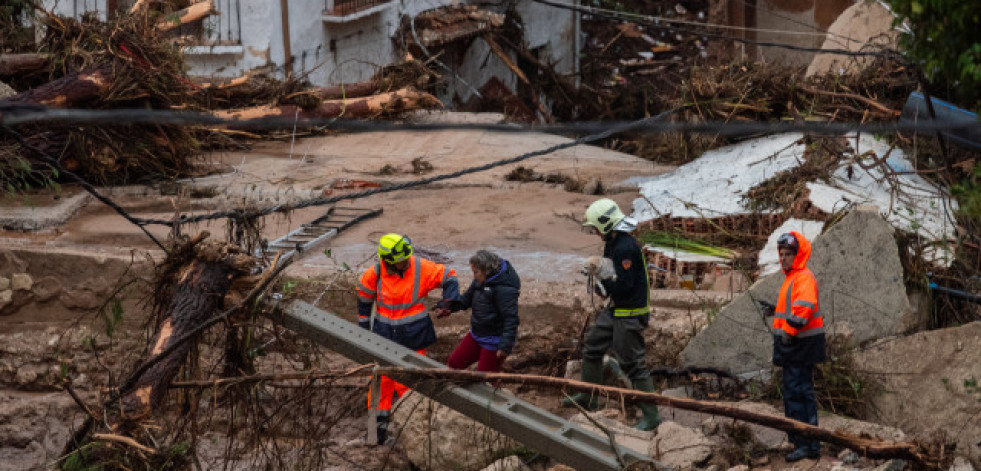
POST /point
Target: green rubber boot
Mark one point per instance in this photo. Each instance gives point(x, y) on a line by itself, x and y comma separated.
point(652, 418)
point(592, 372)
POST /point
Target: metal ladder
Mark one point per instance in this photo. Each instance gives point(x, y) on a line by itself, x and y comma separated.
point(309, 235)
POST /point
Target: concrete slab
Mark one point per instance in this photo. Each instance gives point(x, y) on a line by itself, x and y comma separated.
point(863, 297)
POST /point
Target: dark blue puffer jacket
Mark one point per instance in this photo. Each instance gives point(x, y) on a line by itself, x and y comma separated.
point(495, 306)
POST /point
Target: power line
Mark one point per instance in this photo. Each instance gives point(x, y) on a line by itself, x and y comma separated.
point(656, 22)
point(18, 115)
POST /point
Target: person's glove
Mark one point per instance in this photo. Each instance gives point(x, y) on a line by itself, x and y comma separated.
point(786, 339)
point(767, 307)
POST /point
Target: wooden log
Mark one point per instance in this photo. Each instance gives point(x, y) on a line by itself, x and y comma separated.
point(384, 104)
point(872, 448)
point(73, 89)
point(343, 91)
point(201, 286)
point(190, 14)
point(21, 64)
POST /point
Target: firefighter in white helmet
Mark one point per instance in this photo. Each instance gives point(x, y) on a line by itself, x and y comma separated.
point(620, 324)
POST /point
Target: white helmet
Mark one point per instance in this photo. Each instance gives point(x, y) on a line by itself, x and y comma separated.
point(604, 215)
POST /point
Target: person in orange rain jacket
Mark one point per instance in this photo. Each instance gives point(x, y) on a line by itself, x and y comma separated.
point(798, 338)
point(390, 304)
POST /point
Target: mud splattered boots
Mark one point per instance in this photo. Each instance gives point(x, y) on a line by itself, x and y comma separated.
point(592, 372)
point(652, 418)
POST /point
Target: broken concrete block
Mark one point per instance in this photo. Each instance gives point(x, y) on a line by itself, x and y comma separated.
point(436, 437)
point(935, 392)
point(511, 463)
point(863, 297)
point(21, 282)
point(961, 464)
point(4, 283)
point(6, 91)
point(6, 296)
point(46, 288)
point(679, 446)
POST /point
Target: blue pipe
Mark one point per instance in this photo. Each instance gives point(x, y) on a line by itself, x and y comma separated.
point(956, 293)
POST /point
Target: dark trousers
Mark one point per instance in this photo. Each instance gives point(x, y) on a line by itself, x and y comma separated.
point(799, 402)
point(469, 351)
point(625, 336)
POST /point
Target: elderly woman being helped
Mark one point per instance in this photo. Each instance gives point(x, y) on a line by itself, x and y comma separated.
point(493, 297)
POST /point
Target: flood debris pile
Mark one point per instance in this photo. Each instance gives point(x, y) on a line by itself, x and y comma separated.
point(135, 61)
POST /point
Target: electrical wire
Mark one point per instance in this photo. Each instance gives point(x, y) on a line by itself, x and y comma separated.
point(16, 115)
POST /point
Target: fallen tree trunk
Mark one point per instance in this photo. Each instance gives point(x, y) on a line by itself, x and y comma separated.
point(399, 101)
point(71, 90)
point(348, 90)
point(188, 15)
point(201, 287)
point(868, 447)
point(21, 64)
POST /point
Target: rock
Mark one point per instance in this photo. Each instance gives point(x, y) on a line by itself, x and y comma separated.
point(848, 456)
point(6, 91)
point(4, 283)
point(860, 428)
point(560, 467)
point(961, 464)
point(860, 278)
point(511, 463)
point(21, 282)
point(5, 297)
point(625, 435)
point(46, 289)
point(931, 393)
point(892, 465)
point(11, 263)
point(710, 426)
point(842, 467)
point(679, 446)
point(79, 299)
point(683, 392)
point(863, 22)
point(741, 467)
point(436, 437)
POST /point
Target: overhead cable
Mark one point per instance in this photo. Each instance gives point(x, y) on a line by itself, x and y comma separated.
point(18, 115)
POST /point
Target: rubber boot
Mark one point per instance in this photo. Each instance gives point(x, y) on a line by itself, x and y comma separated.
point(592, 372)
point(652, 418)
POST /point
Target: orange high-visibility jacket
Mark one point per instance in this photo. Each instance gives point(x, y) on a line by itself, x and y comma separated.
point(402, 316)
point(798, 312)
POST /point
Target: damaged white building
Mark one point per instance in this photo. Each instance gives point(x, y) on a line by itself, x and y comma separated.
point(342, 41)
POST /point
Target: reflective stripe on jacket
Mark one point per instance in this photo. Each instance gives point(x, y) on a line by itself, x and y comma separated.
point(401, 315)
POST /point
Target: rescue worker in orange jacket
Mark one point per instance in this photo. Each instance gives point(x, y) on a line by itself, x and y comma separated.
point(798, 338)
point(390, 304)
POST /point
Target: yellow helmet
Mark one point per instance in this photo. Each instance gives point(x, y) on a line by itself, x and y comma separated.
point(394, 248)
point(603, 214)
